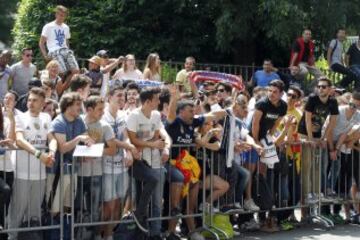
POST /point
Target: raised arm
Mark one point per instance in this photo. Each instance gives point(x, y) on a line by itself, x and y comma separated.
point(174, 92)
point(215, 115)
point(114, 64)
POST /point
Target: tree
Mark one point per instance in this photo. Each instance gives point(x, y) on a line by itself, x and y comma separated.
point(7, 11)
point(230, 31)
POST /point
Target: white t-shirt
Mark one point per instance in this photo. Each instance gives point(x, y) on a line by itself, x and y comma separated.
point(240, 133)
point(35, 130)
point(145, 130)
point(101, 132)
point(5, 163)
point(56, 35)
point(116, 164)
point(343, 124)
point(128, 75)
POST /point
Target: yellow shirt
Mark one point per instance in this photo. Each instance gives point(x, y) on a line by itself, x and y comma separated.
point(182, 78)
point(292, 151)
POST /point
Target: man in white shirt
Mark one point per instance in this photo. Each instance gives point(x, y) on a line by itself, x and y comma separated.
point(56, 35)
point(32, 134)
point(115, 171)
point(143, 127)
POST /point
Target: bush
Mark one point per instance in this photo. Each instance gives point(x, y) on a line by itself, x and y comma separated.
point(134, 26)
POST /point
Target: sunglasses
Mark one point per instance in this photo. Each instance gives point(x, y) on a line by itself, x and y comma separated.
point(291, 95)
point(28, 55)
point(221, 90)
point(354, 106)
point(322, 86)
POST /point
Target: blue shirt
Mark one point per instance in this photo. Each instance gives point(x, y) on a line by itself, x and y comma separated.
point(262, 79)
point(71, 130)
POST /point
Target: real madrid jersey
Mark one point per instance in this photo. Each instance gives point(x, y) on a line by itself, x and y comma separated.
point(35, 130)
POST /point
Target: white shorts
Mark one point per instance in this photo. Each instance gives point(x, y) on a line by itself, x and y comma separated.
point(67, 199)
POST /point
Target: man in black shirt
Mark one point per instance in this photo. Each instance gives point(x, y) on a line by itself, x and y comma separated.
point(317, 109)
point(181, 124)
point(268, 114)
point(352, 60)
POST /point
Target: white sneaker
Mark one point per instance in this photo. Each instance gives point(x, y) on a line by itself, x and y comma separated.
point(250, 205)
point(325, 199)
point(196, 236)
point(251, 225)
point(311, 199)
point(207, 208)
point(238, 205)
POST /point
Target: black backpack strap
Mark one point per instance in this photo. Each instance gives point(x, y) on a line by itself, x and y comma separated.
point(54, 186)
point(335, 46)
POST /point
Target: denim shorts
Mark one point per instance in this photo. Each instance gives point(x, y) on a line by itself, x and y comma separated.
point(173, 175)
point(251, 157)
point(115, 186)
point(66, 59)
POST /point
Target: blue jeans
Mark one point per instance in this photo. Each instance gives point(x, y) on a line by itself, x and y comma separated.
point(156, 200)
point(152, 181)
point(173, 175)
point(333, 175)
point(89, 189)
point(242, 181)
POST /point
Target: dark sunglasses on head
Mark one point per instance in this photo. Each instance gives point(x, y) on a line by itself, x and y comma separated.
point(354, 106)
point(291, 95)
point(322, 86)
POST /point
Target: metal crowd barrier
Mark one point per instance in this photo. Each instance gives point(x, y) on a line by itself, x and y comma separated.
point(314, 174)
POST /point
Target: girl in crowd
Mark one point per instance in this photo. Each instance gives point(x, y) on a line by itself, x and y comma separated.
point(210, 138)
point(152, 67)
point(128, 70)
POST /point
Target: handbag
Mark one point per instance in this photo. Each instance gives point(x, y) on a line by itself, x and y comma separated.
point(221, 225)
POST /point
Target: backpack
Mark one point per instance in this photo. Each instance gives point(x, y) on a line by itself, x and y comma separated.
point(128, 230)
point(54, 234)
point(221, 225)
point(261, 193)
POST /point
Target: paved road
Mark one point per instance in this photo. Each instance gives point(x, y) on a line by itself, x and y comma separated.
point(346, 232)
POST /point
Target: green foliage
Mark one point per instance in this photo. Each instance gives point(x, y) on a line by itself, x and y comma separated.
point(230, 31)
point(7, 11)
point(168, 73)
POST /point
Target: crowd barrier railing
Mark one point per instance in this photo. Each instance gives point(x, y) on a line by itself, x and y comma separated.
point(309, 180)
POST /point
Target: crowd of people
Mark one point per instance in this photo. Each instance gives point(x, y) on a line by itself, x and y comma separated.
point(310, 143)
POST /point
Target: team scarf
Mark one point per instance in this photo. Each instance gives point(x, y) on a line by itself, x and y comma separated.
point(201, 76)
point(140, 82)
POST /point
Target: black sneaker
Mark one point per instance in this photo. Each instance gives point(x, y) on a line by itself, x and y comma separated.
point(173, 236)
point(176, 212)
point(141, 222)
